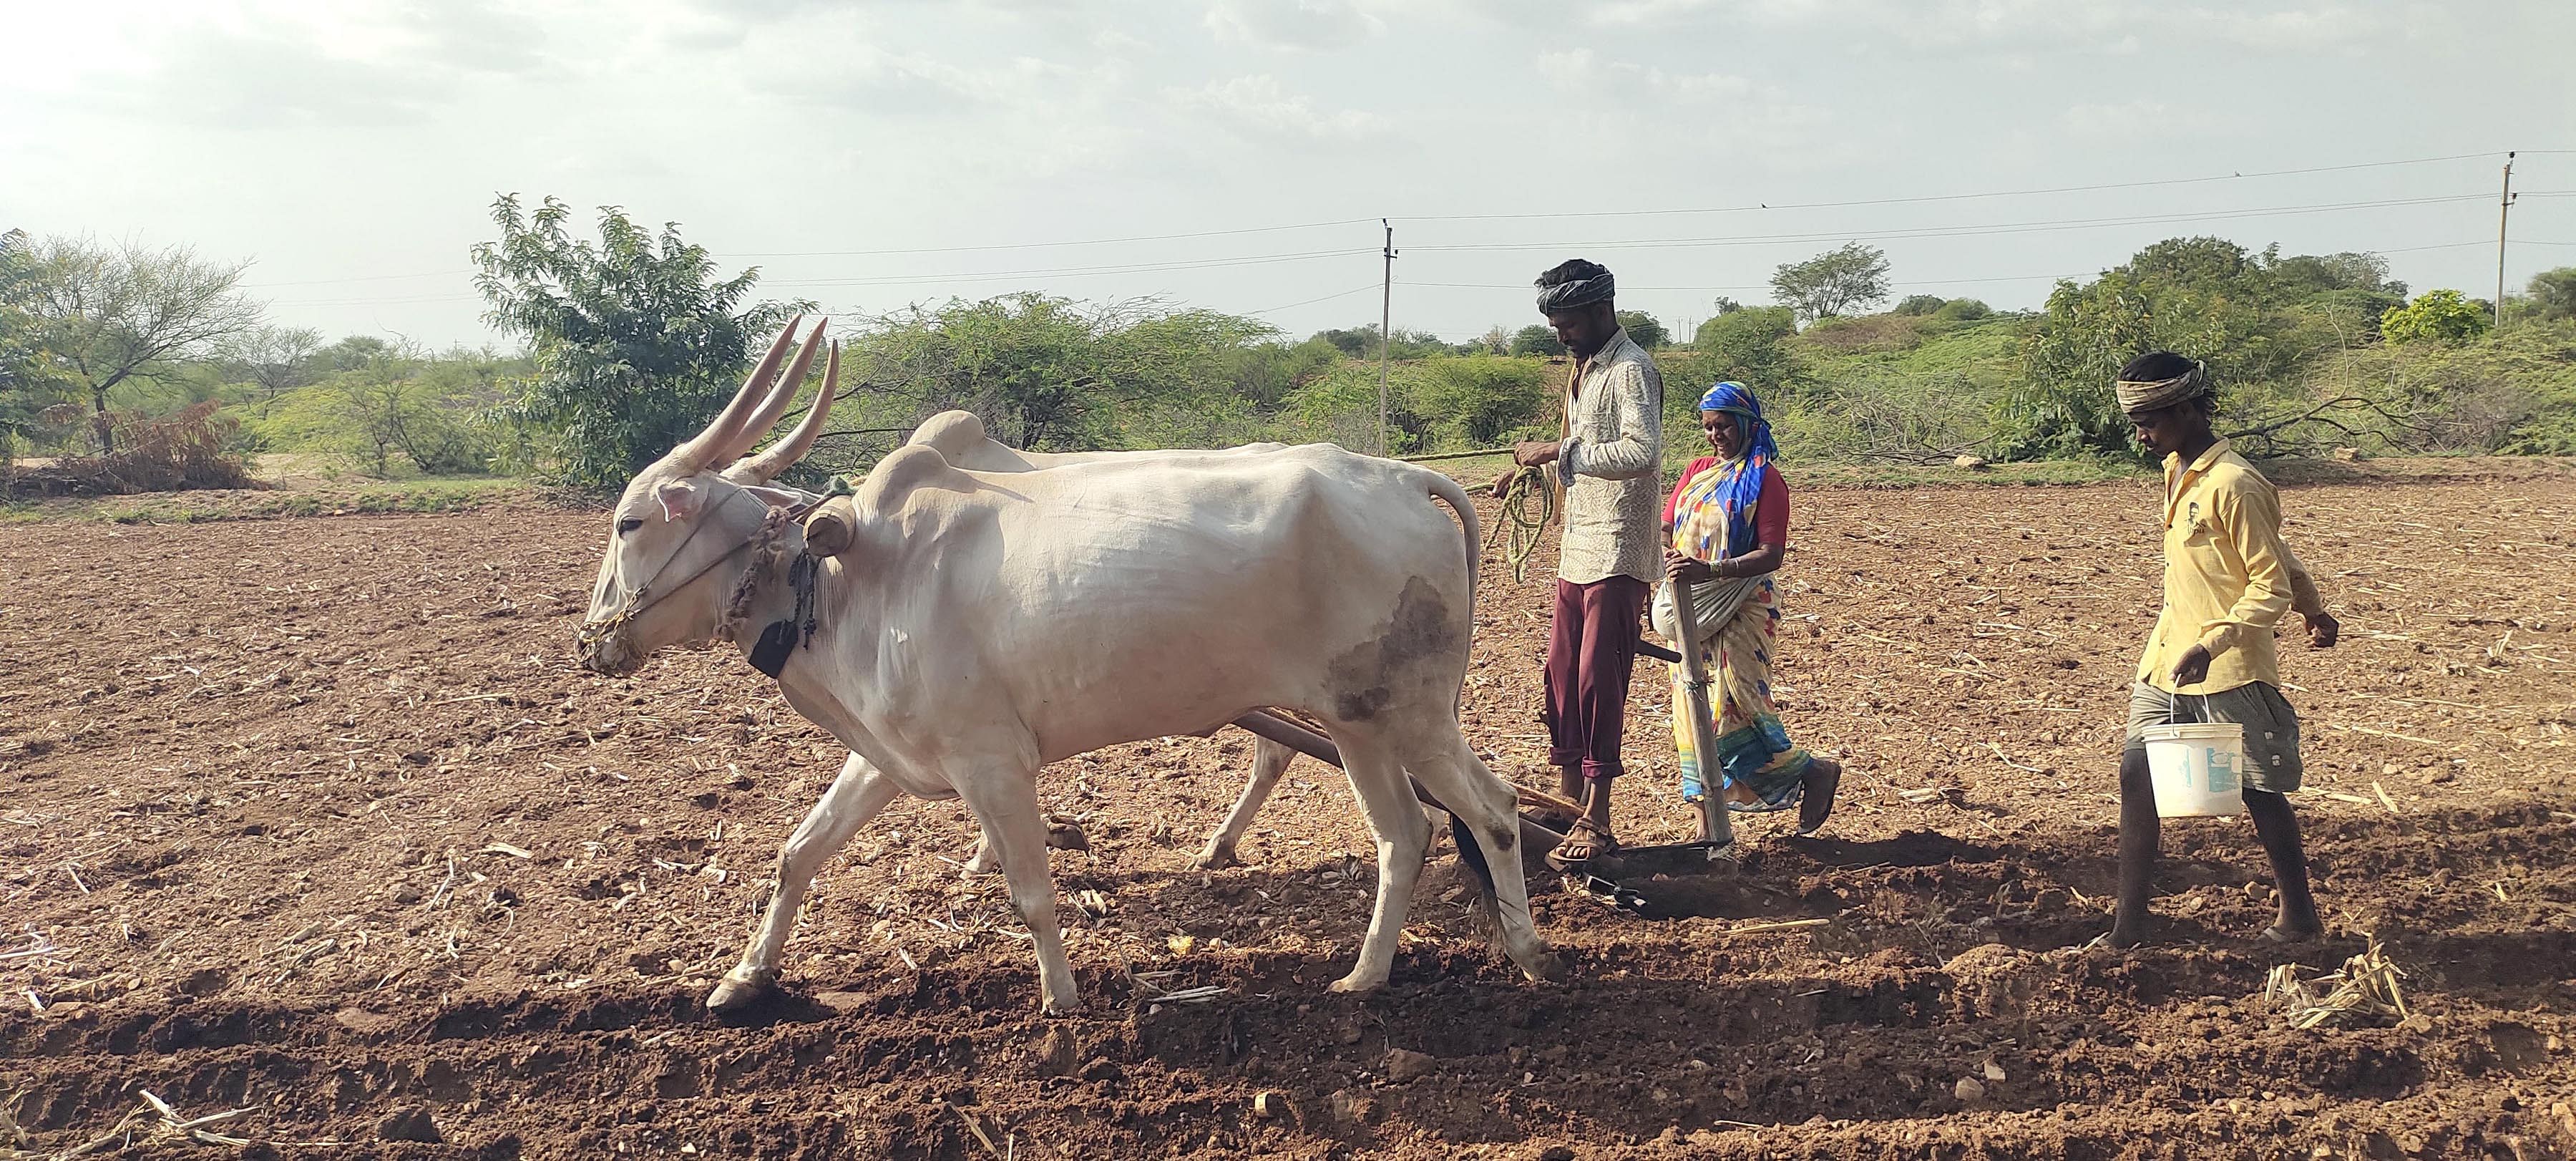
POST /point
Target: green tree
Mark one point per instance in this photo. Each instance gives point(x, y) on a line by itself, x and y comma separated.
point(273, 360)
point(1264, 373)
point(1535, 339)
point(1919, 304)
point(638, 339)
point(107, 317)
point(1054, 374)
point(1750, 346)
point(2553, 293)
point(1643, 329)
point(29, 382)
point(1479, 400)
point(2438, 315)
point(1833, 282)
point(2257, 330)
point(398, 402)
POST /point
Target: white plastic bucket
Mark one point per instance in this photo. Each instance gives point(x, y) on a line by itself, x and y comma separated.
point(2195, 767)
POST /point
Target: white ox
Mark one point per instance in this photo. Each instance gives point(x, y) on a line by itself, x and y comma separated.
point(962, 441)
point(968, 627)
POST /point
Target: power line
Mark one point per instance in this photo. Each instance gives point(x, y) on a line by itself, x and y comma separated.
point(1039, 245)
point(1965, 196)
point(1313, 301)
point(1069, 271)
point(1962, 231)
point(1850, 203)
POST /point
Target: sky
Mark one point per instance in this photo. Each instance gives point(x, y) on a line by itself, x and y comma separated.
point(1239, 154)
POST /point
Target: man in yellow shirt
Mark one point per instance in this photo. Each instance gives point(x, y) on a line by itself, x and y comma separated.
point(2228, 580)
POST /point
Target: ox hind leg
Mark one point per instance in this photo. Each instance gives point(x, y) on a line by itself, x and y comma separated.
point(1269, 759)
point(1476, 798)
point(1004, 797)
point(1403, 840)
point(854, 798)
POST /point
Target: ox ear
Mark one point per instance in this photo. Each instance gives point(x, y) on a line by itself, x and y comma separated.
point(680, 499)
point(777, 497)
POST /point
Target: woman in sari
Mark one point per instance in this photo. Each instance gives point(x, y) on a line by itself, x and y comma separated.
point(1726, 528)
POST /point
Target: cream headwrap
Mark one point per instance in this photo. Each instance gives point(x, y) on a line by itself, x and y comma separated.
point(2135, 396)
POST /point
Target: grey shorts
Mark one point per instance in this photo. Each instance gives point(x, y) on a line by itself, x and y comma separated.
point(2271, 726)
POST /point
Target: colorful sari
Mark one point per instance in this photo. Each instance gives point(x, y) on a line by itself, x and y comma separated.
point(1739, 622)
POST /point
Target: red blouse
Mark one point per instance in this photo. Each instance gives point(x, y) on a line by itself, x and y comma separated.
point(1770, 513)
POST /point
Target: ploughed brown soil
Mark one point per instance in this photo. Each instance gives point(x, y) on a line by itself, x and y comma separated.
point(314, 818)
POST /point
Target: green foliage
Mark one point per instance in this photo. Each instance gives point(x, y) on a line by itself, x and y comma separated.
point(1264, 373)
point(1362, 343)
point(1643, 329)
point(1959, 310)
point(1919, 304)
point(1751, 347)
point(1833, 282)
point(1056, 375)
point(2553, 293)
point(29, 380)
point(271, 361)
point(638, 340)
point(2255, 326)
point(1476, 401)
point(1536, 339)
point(432, 412)
point(2511, 391)
point(2436, 315)
point(109, 317)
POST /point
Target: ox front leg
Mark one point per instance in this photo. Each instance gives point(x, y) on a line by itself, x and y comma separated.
point(1449, 768)
point(854, 798)
point(1269, 759)
point(1403, 840)
point(1005, 800)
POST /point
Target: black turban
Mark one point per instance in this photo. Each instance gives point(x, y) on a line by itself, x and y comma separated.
point(1579, 292)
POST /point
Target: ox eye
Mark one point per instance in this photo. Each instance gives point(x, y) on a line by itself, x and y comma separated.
point(627, 525)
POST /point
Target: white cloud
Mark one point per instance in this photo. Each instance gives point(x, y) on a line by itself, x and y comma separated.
point(1310, 25)
point(1258, 106)
point(1580, 71)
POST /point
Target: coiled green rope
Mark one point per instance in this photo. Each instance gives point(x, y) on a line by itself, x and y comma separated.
point(1528, 486)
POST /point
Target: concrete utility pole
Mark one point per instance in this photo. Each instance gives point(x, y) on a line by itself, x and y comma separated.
point(2504, 211)
point(1386, 331)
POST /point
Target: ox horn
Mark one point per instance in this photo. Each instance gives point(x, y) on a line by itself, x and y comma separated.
point(759, 422)
point(703, 448)
point(764, 467)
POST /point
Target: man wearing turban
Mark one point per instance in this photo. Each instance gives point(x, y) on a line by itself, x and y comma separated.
point(1610, 463)
point(2228, 579)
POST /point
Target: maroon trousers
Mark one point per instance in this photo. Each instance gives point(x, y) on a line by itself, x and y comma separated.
point(1591, 649)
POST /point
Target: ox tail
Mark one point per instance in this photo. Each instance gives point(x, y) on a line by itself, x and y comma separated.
point(1454, 494)
point(1470, 852)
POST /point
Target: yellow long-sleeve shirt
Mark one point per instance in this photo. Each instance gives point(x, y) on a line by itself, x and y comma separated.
point(2228, 574)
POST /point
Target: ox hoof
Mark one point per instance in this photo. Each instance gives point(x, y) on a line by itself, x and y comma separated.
point(1546, 967)
point(1353, 984)
point(741, 989)
point(1215, 859)
point(985, 862)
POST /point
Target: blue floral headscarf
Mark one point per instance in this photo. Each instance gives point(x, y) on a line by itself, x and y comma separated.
point(1738, 488)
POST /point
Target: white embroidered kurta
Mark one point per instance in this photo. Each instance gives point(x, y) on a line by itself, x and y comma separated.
point(1611, 465)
